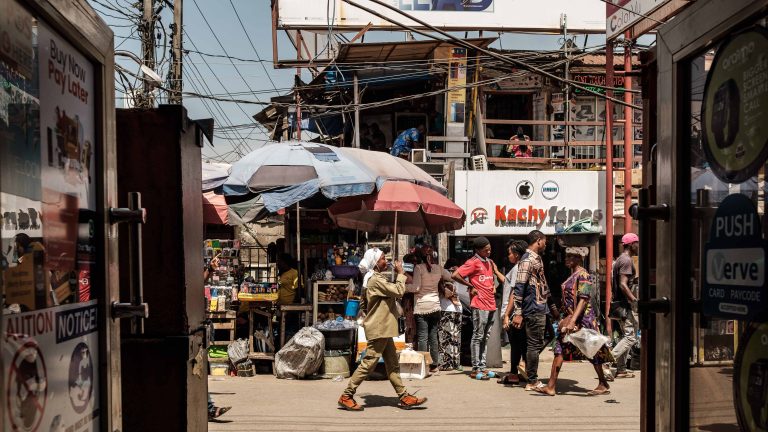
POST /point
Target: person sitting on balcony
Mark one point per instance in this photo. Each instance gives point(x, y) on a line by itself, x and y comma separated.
point(519, 150)
point(407, 140)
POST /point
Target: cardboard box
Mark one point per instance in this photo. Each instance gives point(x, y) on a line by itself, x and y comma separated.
point(412, 365)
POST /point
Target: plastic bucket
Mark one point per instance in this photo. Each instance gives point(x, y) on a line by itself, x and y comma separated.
point(351, 308)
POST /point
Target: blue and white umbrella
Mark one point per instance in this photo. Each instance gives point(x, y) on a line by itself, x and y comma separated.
point(286, 173)
point(214, 175)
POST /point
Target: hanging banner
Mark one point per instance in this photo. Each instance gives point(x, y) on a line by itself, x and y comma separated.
point(51, 369)
point(517, 202)
point(735, 109)
point(457, 80)
point(464, 15)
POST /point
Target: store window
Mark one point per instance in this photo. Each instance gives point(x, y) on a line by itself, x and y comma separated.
point(48, 195)
point(727, 90)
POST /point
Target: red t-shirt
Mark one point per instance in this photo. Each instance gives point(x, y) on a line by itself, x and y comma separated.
point(480, 274)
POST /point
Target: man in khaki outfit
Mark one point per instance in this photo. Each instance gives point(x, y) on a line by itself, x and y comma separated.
point(380, 327)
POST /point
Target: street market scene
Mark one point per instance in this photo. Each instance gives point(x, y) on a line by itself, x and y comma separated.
point(386, 214)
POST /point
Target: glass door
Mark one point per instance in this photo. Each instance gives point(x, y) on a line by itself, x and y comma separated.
point(710, 370)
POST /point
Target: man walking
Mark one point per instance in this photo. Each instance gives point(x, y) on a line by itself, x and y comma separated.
point(479, 271)
point(624, 300)
point(380, 327)
point(531, 309)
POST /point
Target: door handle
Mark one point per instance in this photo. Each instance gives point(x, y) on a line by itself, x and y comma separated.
point(654, 306)
point(651, 212)
point(136, 309)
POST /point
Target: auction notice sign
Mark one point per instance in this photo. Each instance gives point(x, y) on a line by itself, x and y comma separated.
point(734, 262)
point(50, 358)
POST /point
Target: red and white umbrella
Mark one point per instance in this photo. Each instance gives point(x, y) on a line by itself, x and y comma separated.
point(399, 208)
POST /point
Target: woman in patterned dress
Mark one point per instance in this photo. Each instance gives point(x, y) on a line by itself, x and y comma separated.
point(449, 330)
point(579, 310)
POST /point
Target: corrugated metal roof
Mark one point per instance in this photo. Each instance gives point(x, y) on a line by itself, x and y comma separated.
point(397, 51)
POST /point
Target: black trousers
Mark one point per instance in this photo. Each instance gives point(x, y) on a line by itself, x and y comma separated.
point(518, 345)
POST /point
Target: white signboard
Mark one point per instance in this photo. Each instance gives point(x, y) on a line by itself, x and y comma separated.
point(516, 202)
point(51, 369)
point(495, 15)
point(624, 13)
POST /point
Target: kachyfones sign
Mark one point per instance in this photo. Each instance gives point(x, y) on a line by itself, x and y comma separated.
point(549, 201)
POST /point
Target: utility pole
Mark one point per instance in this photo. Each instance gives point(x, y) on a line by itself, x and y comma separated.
point(147, 31)
point(176, 55)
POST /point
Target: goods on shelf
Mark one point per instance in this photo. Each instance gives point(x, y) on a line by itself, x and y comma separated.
point(222, 287)
point(258, 291)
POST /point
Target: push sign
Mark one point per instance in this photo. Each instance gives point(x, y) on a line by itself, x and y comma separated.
point(734, 262)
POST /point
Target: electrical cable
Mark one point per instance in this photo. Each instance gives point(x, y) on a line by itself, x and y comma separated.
point(269, 77)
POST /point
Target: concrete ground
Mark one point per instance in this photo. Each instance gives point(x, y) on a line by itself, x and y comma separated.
point(456, 402)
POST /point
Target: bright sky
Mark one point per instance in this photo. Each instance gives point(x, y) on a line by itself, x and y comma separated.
point(212, 26)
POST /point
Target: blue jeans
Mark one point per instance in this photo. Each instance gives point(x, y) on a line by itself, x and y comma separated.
point(482, 321)
point(426, 335)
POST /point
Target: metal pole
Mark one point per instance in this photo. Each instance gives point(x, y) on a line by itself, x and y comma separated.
point(395, 248)
point(609, 189)
point(148, 49)
point(357, 110)
point(176, 64)
point(628, 135)
point(298, 248)
point(566, 149)
point(298, 81)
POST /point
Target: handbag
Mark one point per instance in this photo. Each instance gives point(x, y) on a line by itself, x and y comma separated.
point(618, 311)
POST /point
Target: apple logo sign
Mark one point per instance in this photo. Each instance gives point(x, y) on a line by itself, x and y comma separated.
point(525, 189)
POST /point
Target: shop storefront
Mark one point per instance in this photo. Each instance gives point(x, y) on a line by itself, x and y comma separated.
point(60, 345)
point(703, 303)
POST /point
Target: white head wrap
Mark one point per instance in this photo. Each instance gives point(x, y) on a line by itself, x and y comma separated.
point(368, 263)
point(581, 251)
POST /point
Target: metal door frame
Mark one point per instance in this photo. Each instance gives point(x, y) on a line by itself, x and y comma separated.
point(690, 32)
point(84, 29)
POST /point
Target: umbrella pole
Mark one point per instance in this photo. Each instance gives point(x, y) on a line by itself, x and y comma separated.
point(396, 248)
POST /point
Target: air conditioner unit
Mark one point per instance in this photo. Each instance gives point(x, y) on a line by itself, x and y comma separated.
point(479, 163)
point(418, 155)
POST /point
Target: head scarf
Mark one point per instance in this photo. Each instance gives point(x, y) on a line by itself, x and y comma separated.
point(368, 263)
point(580, 251)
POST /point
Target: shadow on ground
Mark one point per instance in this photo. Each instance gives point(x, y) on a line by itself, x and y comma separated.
point(374, 401)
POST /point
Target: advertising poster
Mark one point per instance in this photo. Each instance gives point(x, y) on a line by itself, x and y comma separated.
point(735, 109)
point(16, 36)
point(622, 14)
point(506, 15)
point(457, 80)
point(67, 119)
point(51, 369)
point(516, 202)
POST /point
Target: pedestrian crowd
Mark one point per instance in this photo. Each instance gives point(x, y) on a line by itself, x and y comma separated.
point(530, 316)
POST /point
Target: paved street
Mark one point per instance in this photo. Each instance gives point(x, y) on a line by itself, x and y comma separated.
point(455, 403)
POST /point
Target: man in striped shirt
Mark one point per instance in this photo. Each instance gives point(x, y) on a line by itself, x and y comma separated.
point(531, 309)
